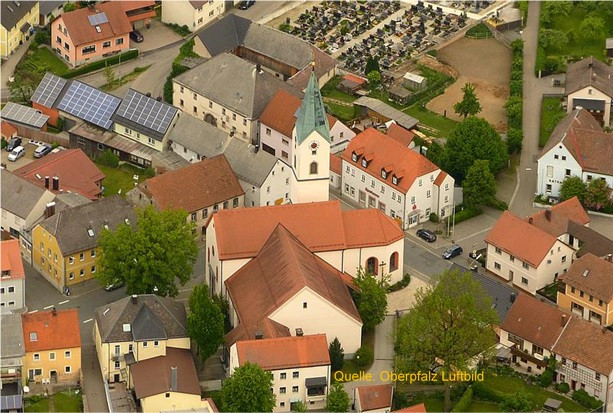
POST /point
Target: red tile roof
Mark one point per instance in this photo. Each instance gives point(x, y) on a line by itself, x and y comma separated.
point(196, 186)
point(7, 129)
point(81, 31)
point(535, 321)
point(242, 232)
point(58, 331)
point(390, 154)
point(11, 259)
point(400, 134)
point(440, 178)
point(375, 397)
point(280, 113)
point(335, 164)
point(519, 238)
point(76, 171)
point(285, 352)
point(418, 408)
point(355, 79)
point(557, 222)
point(591, 274)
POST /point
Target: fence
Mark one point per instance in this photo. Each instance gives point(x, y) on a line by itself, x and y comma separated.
point(38, 135)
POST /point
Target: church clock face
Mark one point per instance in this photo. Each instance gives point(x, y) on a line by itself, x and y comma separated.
point(314, 145)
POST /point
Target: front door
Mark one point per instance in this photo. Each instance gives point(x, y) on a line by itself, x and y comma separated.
point(372, 202)
point(116, 378)
point(362, 198)
point(53, 376)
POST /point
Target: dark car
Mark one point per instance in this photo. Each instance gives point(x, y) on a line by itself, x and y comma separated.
point(117, 284)
point(426, 235)
point(42, 150)
point(246, 4)
point(13, 143)
point(136, 36)
point(452, 251)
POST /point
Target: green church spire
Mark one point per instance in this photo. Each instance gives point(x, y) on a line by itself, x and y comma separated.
point(311, 116)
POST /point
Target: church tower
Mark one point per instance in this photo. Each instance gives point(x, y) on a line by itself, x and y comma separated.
point(311, 140)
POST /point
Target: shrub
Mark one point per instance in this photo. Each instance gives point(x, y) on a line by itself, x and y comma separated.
point(366, 357)
point(3, 143)
point(55, 145)
point(149, 173)
point(482, 391)
point(516, 87)
point(284, 27)
point(100, 64)
point(563, 387)
point(514, 140)
point(546, 378)
point(43, 37)
point(465, 401)
point(108, 158)
point(518, 402)
point(466, 213)
point(406, 279)
point(585, 400)
point(433, 53)
point(433, 217)
point(498, 204)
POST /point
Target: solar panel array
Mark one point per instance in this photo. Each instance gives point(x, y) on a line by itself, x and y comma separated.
point(96, 19)
point(23, 114)
point(89, 104)
point(146, 111)
point(48, 90)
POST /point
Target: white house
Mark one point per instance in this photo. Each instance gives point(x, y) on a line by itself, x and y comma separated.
point(191, 13)
point(300, 367)
point(13, 288)
point(589, 85)
point(380, 172)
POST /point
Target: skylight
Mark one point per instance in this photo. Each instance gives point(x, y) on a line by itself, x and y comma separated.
point(33, 337)
point(90, 232)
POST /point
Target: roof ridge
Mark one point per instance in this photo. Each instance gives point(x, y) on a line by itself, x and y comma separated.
point(562, 332)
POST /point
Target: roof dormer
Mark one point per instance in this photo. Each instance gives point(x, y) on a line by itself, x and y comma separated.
point(396, 177)
point(385, 171)
point(355, 155)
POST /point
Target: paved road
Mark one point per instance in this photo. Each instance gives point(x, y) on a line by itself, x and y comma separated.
point(260, 9)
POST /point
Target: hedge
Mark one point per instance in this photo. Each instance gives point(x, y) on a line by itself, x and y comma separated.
point(585, 400)
point(100, 64)
point(465, 401)
point(406, 279)
point(481, 391)
point(563, 387)
point(366, 356)
point(466, 213)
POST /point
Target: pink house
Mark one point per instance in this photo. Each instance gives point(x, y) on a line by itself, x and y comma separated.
point(91, 33)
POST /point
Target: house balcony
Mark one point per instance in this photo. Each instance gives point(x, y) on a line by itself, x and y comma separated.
point(118, 357)
point(534, 359)
point(318, 398)
point(577, 311)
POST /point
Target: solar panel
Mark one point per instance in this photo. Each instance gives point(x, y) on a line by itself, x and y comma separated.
point(89, 104)
point(96, 19)
point(146, 111)
point(48, 90)
point(23, 114)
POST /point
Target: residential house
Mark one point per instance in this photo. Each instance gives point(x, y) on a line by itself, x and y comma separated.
point(300, 367)
point(25, 116)
point(65, 245)
point(587, 289)
point(379, 172)
point(380, 112)
point(234, 108)
point(277, 123)
point(65, 171)
point(577, 147)
point(194, 139)
point(22, 203)
point(13, 349)
point(144, 119)
point(283, 55)
point(336, 171)
point(139, 13)
point(137, 328)
point(91, 33)
point(286, 290)
point(8, 130)
point(13, 289)
point(17, 19)
point(195, 14)
point(48, 10)
point(200, 189)
point(347, 240)
point(53, 346)
point(375, 399)
point(589, 85)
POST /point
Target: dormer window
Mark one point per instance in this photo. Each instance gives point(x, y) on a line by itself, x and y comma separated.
point(394, 180)
point(383, 174)
point(364, 163)
point(354, 157)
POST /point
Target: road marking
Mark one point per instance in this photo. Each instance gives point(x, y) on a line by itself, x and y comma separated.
point(48, 307)
point(33, 311)
point(63, 302)
point(88, 320)
point(475, 234)
point(528, 169)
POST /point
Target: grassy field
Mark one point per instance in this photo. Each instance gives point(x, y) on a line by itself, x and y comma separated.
point(45, 60)
point(41, 405)
point(342, 112)
point(443, 126)
point(482, 406)
point(119, 178)
point(68, 402)
point(330, 90)
point(577, 46)
point(551, 114)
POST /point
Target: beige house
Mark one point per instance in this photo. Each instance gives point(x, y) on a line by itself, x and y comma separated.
point(192, 13)
point(589, 85)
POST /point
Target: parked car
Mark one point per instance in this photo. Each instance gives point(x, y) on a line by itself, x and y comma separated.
point(426, 235)
point(42, 150)
point(13, 143)
point(246, 4)
point(17, 153)
point(452, 251)
point(115, 285)
point(136, 36)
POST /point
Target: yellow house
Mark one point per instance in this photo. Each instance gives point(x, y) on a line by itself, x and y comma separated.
point(53, 346)
point(65, 245)
point(18, 19)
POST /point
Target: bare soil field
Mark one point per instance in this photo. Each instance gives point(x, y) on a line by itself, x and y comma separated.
point(486, 64)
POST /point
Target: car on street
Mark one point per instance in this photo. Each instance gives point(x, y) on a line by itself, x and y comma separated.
point(42, 150)
point(17, 153)
point(13, 143)
point(115, 285)
point(136, 36)
point(246, 4)
point(452, 251)
point(426, 235)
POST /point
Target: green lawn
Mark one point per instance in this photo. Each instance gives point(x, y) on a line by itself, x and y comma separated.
point(119, 178)
point(482, 406)
point(330, 90)
point(68, 402)
point(579, 46)
point(41, 405)
point(444, 126)
point(551, 114)
point(45, 60)
point(342, 112)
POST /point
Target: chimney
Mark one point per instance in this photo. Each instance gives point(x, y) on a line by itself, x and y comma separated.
point(299, 332)
point(173, 379)
point(134, 298)
point(609, 257)
point(47, 182)
point(56, 183)
point(513, 297)
point(530, 220)
point(148, 94)
point(54, 312)
point(50, 209)
point(259, 335)
point(563, 320)
point(159, 98)
point(548, 214)
point(258, 67)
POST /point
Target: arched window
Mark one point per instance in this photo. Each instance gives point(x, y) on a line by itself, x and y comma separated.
point(372, 265)
point(313, 168)
point(394, 262)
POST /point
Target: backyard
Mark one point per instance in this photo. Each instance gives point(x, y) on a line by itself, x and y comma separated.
point(551, 114)
point(67, 401)
point(120, 178)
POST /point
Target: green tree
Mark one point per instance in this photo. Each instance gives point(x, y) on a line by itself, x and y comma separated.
point(248, 390)
point(150, 255)
point(451, 321)
point(436, 153)
point(592, 28)
point(372, 65)
point(514, 140)
point(109, 75)
point(338, 399)
point(552, 39)
point(374, 79)
point(69, 7)
point(337, 355)
point(371, 298)
point(518, 402)
point(598, 194)
point(299, 406)
point(514, 109)
point(205, 322)
point(479, 185)
point(471, 140)
point(469, 105)
point(573, 186)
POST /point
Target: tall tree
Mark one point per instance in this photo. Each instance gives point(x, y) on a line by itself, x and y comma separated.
point(248, 390)
point(471, 140)
point(452, 321)
point(552, 39)
point(337, 355)
point(573, 186)
point(338, 399)
point(479, 185)
point(598, 194)
point(205, 322)
point(374, 79)
point(371, 298)
point(150, 255)
point(109, 75)
point(592, 28)
point(469, 105)
point(69, 7)
point(372, 65)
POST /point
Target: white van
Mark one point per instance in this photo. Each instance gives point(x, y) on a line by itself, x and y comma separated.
point(17, 153)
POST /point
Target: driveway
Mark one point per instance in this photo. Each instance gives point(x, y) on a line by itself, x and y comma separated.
point(24, 160)
point(158, 35)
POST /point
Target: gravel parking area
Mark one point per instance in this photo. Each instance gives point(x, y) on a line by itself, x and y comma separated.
point(404, 299)
point(24, 160)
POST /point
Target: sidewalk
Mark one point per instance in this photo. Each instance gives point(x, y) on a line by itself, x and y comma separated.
point(8, 68)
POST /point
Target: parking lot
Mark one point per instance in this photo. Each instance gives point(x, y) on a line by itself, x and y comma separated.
point(24, 160)
point(156, 36)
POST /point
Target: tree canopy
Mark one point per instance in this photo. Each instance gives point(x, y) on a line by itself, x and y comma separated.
point(149, 255)
point(337, 355)
point(592, 28)
point(479, 185)
point(372, 65)
point(469, 105)
point(573, 186)
point(205, 322)
point(554, 39)
point(371, 298)
point(597, 195)
point(338, 399)
point(248, 390)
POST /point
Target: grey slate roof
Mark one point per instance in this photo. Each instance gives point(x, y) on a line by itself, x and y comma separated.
point(18, 195)
point(235, 84)
point(10, 13)
point(589, 72)
point(247, 164)
point(592, 241)
point(47, 6)
point(69, 200)
point(169, 314)
point(70, 227)
point(12, 338)
point(404, 120)
point(198, 136)
point(146, 326)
